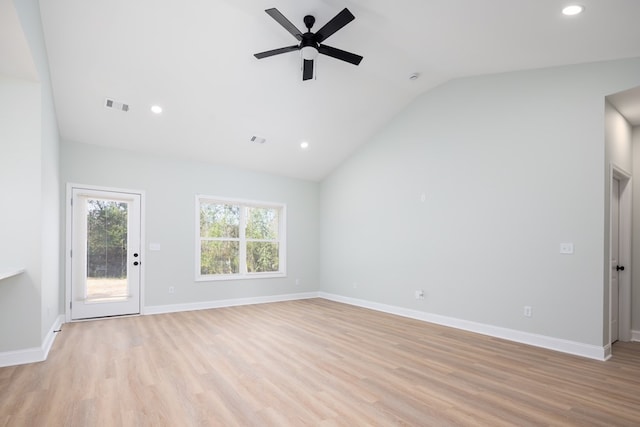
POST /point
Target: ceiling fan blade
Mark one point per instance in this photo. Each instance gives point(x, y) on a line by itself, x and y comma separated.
point(342, 55)
point(280, 19)
point(276, 51)
point(338, 21)
point(307, 70)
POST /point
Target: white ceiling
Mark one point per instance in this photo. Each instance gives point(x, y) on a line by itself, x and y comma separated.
point(195, 59)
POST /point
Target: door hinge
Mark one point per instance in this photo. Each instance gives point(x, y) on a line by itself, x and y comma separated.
point(71, 253)
point(72, 201)
point(70, 304)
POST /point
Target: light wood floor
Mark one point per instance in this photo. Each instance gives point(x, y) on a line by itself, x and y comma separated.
point(310, 363)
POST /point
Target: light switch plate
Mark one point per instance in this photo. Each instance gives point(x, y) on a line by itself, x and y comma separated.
point(154, 246)
point(566, 248)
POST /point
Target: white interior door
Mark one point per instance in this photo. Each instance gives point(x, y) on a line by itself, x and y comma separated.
point(105, 253)
point(615, 266)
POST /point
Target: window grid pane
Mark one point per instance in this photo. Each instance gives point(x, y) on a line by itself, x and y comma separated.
point(262, 257)
point(219, 257)
point(219, 220)
point(262, 223)
point(237, 239)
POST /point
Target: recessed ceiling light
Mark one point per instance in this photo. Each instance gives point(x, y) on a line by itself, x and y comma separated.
point(304, 145)
point(156, 109)
point(574, 9)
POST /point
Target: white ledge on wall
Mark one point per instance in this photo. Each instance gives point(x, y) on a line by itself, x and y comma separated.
point(5, 273)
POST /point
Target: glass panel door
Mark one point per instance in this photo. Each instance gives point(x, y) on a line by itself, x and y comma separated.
point(105, 255)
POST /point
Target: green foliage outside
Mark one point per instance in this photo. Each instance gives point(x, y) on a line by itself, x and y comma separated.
point(106, 239)
point(219, 220)
point(221, 223)
point(219, 257)
point(262, 224)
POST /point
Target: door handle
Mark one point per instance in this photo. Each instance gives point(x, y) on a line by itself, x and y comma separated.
point(619, 267)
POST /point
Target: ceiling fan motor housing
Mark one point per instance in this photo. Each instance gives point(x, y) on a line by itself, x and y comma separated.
point(308, 39)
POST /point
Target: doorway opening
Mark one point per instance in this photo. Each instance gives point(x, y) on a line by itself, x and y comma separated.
point(104, 234)
point(620, 254)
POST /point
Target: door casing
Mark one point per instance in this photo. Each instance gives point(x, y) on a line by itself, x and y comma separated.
point(624, 254)
point(69, 242)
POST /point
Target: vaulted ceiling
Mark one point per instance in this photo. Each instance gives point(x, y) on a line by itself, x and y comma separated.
point(194, 58)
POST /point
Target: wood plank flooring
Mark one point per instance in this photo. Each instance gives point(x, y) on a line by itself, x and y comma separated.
point(310, 363)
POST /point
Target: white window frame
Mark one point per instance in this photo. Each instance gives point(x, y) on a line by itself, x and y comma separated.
point(243, 273)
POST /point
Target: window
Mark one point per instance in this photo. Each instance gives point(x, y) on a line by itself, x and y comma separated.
point(238, 239)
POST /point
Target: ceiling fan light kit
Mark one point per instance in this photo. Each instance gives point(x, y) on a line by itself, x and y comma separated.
point(309, 53)
point(311, 43)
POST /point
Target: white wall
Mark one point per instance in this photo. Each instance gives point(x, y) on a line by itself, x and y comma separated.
point(618, 141)
point(618, 155)
point(29, 303)
point(170, 187)
point(635, 268)
point(511, 165)
point(29, 13)
point(20, 216)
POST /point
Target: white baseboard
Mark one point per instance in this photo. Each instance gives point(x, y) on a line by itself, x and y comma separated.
point(33, 354)
point(635, 336)
point(607, 353)
point(557, 344)
point(205, 305)
point(39, 354)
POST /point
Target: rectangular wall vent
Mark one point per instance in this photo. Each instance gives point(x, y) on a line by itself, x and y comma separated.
point(258, 140)
point(116, 105)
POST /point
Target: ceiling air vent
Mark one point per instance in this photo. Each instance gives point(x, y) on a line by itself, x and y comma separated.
point(116, 105)
point(258, 140)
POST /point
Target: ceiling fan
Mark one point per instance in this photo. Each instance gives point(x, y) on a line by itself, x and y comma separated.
point(311, 43)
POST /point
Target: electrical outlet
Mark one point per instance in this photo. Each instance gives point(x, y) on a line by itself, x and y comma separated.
point(527, 311)
point(297, 282)
point(171, 289)
point(419, 294)
point(355, 285)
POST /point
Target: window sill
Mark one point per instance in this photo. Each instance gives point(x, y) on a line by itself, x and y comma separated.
point(227, 277)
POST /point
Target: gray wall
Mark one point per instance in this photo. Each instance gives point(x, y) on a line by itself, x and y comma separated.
point(170, 187)
point(635, 253)
point(511, 165)
point(618, 153)
point(20, 216)
point(29, 232)
point(29, 12)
